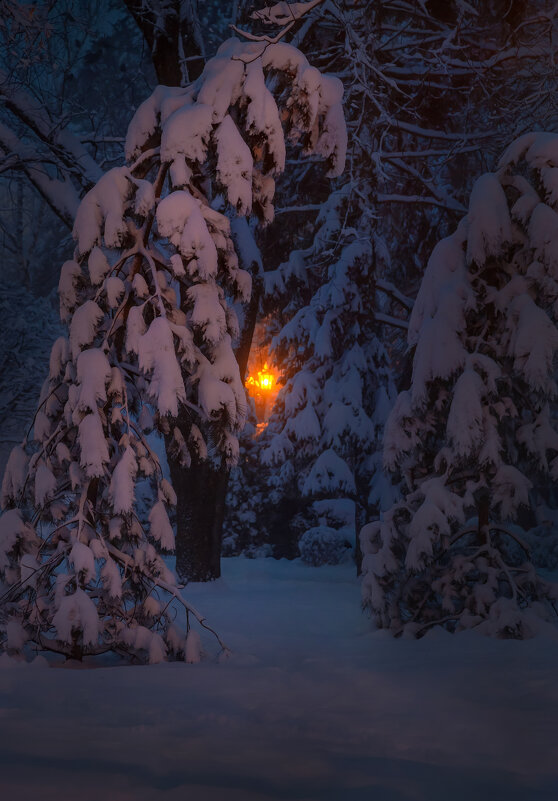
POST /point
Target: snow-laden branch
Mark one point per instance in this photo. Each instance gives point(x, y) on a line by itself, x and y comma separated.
point(439, 192)
point(391, 289)
point(128, 562)
point(283, 14)
point(430, 133)
point(393, 321)
point(65, 147)
point(61, 195)
point(420, 199)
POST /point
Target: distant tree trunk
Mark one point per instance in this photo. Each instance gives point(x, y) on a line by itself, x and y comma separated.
point(173, 33)
point(359, 520)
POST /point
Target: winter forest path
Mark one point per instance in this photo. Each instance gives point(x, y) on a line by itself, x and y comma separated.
point(311, 705)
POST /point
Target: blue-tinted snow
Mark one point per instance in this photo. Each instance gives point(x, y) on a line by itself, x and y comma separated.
point(311, 705)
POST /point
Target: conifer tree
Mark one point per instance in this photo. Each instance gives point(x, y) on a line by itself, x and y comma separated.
point(474, 437)
point(322, 438)
point(149, 302)
point(329, 299)
point(416, 78)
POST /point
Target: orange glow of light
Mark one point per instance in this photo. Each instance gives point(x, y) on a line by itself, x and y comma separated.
point(263, 381)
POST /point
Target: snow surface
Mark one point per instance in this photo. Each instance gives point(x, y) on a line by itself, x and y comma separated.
point(311, 705)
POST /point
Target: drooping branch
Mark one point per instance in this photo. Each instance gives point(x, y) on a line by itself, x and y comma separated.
point(60, 194)
point(65, 148)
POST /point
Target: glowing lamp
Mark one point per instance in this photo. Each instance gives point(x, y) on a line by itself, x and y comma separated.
point(262, 386)
point(264, 380)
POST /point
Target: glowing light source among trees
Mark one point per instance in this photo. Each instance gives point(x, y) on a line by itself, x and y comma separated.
point(263, 381)
point(262, 386)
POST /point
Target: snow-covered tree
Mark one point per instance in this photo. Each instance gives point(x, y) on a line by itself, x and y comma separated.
point(328, 300)
point(148, 299)
point(322, 437)
point(416, 77)
point(474, 437)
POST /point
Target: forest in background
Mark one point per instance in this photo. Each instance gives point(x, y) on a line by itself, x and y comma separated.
point(381, 419)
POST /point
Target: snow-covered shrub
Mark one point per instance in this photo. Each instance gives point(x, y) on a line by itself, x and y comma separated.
point(149, 302)
point(332, 538)
point(476, 428)
point(323, 545)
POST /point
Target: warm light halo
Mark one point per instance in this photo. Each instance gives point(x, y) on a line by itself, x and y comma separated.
point(264, 379)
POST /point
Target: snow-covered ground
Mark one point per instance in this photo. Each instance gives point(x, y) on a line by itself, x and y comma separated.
point(311, 705)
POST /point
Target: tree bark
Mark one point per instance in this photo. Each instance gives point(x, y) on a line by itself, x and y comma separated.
point(201, 490)
point(242, 352)
point(173, 35)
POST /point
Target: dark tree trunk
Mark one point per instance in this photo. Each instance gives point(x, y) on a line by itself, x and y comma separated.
point(359, 515)
point(173, 35)
point(242, 352)
point(201, 491)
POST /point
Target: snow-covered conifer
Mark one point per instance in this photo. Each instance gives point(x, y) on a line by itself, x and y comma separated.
point(322, 438)
point(149, 299)
point(476, 429)
point(335, 313)
point(336, 329)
